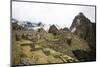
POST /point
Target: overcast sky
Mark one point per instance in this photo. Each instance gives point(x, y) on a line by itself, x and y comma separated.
point(62, 15)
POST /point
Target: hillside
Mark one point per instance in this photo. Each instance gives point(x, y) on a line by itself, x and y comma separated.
point(31, 46)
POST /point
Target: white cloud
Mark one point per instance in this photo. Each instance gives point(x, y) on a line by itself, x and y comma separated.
point(61, 15)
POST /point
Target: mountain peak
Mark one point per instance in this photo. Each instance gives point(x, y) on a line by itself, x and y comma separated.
point(79, 20)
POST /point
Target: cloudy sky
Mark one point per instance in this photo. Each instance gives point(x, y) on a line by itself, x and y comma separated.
point(61, 15)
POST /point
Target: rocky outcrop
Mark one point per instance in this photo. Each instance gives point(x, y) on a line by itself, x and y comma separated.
point(63, 30)
point(53, 29)
point(16, 26)
point(86, 30)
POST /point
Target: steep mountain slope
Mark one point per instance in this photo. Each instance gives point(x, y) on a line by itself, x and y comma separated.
point(86, 30)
